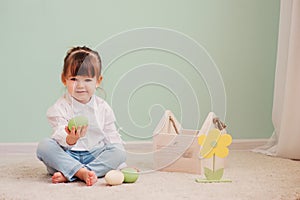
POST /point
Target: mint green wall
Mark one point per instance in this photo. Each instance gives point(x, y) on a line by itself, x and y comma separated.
point(239, 35)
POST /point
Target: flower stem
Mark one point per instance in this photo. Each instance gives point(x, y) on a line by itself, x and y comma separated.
point(214, 162)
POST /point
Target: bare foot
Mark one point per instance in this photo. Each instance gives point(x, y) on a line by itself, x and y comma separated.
point(89, 177)
point(58, 177)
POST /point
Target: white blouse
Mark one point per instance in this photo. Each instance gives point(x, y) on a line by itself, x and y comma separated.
point(101, 128)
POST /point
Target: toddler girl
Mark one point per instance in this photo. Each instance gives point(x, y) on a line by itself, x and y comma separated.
point(86, 152)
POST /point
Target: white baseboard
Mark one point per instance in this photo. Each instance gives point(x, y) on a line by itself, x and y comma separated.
point(17, 148)
point(135, 146)
point(236, 145)
point(247, 144)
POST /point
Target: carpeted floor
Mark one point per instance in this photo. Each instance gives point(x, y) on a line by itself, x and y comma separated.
point(254, 176)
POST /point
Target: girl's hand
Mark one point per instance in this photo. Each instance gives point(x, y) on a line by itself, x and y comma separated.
point(74, 134)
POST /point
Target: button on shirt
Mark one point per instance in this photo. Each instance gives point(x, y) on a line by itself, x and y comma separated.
point(101, 128)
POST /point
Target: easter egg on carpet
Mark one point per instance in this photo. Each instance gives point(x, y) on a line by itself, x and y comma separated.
point(114, 177)
point(130, 174)
point(77, 121)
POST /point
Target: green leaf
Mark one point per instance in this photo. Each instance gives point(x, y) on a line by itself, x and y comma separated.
point(213, 175)
point(208, 173)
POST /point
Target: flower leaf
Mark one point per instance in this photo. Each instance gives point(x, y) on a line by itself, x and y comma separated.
point(213, 175)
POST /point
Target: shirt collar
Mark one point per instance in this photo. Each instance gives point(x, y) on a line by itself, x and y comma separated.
point(74, 103)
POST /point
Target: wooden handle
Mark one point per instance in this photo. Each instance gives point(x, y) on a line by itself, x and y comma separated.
point(220, 125)
point(174, 125)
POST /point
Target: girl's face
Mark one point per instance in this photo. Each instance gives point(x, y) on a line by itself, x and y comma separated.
point(81, 88)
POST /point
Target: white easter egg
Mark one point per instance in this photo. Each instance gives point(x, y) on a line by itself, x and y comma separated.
point(114, 177)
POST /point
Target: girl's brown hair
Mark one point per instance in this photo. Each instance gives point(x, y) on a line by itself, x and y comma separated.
point(82, 61)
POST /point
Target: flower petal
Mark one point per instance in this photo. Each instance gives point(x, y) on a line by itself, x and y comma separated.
point(201, 139)
point(222, 152)
point(207, 149)
point(210, 153)
point(225, 140)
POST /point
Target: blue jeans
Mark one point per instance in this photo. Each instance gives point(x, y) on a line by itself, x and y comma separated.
point(68, 162)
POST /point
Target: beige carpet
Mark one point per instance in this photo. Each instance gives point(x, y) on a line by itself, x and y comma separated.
point(254, 176)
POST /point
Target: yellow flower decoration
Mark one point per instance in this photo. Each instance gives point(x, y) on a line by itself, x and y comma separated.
point(215, 143)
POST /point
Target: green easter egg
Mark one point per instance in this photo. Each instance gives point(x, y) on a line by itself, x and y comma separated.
point(130, 175)
point(77, 121)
